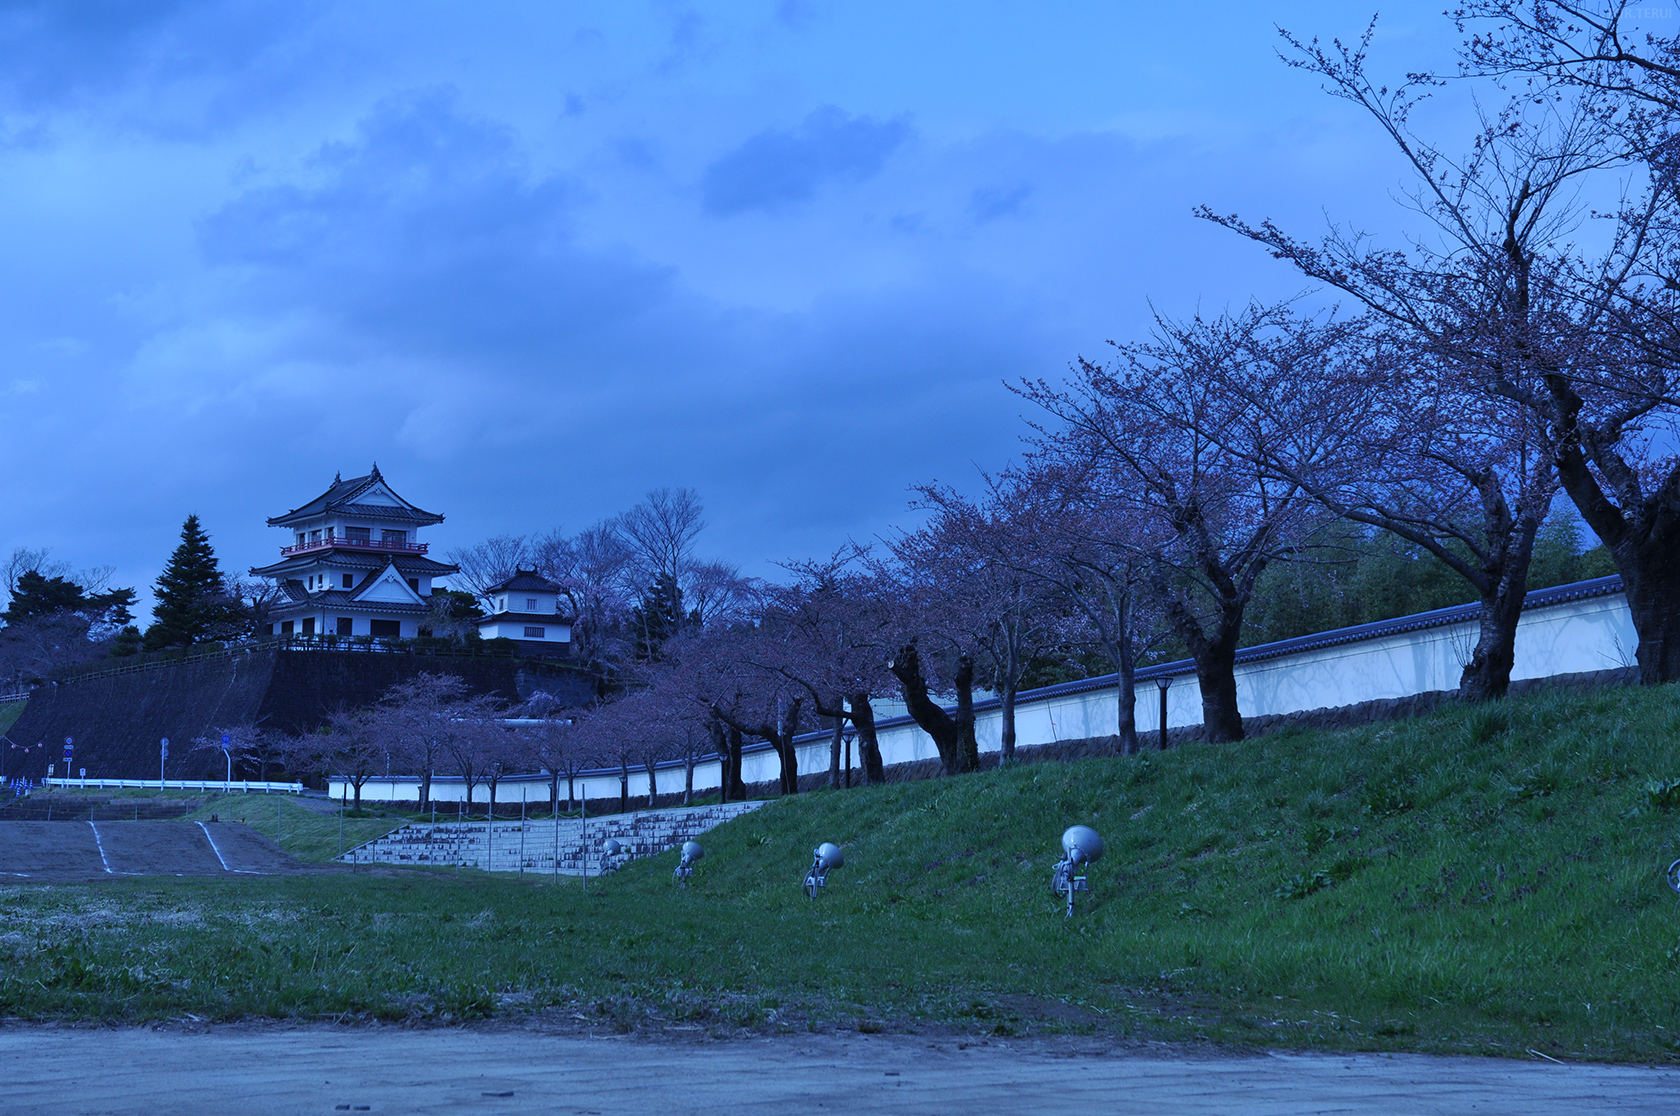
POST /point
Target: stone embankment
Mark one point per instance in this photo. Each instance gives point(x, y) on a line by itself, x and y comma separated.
point(536, 844)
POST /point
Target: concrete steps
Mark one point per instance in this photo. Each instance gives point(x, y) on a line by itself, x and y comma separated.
point(531, 846)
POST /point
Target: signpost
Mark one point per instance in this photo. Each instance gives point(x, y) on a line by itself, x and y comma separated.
point(163, 758)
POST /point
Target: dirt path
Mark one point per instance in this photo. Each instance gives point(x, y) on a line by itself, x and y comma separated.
point(329, 1070)
point(88, 850)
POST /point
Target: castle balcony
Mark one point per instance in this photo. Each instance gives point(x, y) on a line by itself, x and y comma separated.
point(385, 546)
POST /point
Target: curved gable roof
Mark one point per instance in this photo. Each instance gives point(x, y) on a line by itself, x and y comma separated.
point(348, 496)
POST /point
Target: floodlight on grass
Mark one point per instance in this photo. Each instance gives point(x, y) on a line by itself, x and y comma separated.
point(1080, 846)
point(610, 848)
point(1674, 875)
point(823, 858)
point(691, 852)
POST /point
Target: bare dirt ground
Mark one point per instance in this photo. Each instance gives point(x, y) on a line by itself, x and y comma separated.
point(61, 851)
point(327, 1070)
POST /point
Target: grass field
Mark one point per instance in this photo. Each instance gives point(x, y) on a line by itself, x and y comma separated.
point(308, 834)
point(10, 711)
point(1484, 880)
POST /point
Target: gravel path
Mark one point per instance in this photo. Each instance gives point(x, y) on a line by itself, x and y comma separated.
point(392, 1070)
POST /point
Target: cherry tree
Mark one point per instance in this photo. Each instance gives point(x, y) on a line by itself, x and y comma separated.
point(1139, 431)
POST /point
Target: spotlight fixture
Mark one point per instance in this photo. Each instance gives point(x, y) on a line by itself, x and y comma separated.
point(610, 848)
point(691, 852)
point(824, 857)
point(1080, 846)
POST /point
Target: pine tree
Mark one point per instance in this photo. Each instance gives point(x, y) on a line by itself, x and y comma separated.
point(191, 600)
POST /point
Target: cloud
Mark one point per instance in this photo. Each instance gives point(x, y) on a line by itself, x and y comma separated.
point(428, 235)
point(777, 170)
point(992, 202)
point(195, 66)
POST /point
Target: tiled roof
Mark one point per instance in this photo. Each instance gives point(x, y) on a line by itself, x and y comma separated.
point(525, 618)
point(409, 564)
point(528, 581)
point(339, 599)
point(1436, 618)
point(340, 497)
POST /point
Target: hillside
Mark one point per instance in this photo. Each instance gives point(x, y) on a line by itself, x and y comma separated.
point(1477, 880)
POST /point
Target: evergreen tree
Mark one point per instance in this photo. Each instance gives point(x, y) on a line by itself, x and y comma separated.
point(39, 595)
point(658, 616)
point(192, 602)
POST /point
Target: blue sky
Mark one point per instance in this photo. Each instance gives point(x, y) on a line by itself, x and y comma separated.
point(538, 259)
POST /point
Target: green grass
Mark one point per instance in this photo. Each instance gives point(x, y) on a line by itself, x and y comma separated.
point(307, 834)
point(10, 711)
point(1479, 880)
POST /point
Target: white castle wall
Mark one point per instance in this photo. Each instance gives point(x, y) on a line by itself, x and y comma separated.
point(1588, 631)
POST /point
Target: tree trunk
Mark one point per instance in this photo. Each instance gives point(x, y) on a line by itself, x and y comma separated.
point(1006, 753)
point(869, 746)
point(358, 804)
point(715, 730)
point(1125, 684)
point(1488, 673)
point(688, 784)
point(425, 789)
point(1653, 597)
point(952, 736)
point(554, 793)
point(491, 787)
point(1008, 685)
point(623, 788)
point(834, 747)
point(786, 728)
point(736, 742)
point(653, 785)
point(571, 790)
point(1216, 672)
point(1641, 530)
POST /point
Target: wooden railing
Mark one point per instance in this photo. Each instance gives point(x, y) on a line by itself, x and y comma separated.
point(331, 541)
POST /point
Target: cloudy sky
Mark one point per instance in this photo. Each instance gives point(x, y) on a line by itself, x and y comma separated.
point(536, 259)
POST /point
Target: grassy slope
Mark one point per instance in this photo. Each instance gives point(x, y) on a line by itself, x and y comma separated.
point(307, 834)
point(1477, 880)
point(9, 713)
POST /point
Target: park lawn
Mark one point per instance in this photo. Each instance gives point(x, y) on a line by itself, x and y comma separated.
point(310, 835)
point(1479, 880)
point(10, 711)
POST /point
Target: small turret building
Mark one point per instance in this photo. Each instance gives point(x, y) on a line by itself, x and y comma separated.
point(526, 608)
point(355, 565)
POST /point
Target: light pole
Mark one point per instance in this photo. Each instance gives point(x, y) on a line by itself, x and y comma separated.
point(851, 735)
point(227, 751)
point(1163, 683)
point(163, 758)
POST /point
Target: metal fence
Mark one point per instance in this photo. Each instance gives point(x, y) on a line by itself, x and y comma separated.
point(230, 786)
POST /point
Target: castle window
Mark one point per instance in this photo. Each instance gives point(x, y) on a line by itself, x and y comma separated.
point(344, 625)
point(414, 584)
point(308, 626)
point(535, 633)
point(530, 604)
point(358, 534)
point(349, 581)
point(396, 538)
point(386, 629)
point(314, 536)
point(286, 627)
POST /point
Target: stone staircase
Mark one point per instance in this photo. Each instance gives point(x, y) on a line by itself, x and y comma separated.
point(529, 846)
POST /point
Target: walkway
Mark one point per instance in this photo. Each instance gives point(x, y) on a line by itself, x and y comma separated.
point(320, 1070)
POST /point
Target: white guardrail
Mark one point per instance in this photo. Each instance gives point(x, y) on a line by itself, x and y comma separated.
point(243, 785)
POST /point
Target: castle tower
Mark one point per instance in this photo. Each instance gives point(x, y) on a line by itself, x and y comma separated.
point(355, 566)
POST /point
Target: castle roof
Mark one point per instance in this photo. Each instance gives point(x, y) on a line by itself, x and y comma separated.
point(351, 558)
point(368, 497)
point(527, 581)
